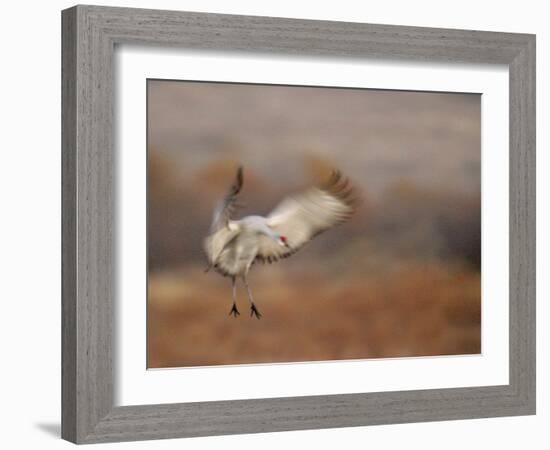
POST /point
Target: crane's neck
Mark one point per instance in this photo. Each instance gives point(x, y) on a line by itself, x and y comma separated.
point(267, 231)
point(258, 225)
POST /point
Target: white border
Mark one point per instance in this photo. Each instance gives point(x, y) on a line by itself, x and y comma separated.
point(135, 385)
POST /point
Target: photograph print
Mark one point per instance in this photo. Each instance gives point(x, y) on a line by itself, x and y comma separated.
point(301, 223)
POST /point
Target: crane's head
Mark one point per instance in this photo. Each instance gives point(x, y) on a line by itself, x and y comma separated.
point(283, 241)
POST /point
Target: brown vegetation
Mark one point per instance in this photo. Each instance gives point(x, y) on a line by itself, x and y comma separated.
point(413, 310)
point(402, 278)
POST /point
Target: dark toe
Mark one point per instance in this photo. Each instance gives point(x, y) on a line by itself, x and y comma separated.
point(254, 312)
point(234, 311)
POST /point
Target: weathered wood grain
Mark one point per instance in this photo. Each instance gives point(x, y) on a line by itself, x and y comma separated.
point(68, 226)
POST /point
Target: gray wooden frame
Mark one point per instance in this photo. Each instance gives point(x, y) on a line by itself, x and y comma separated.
point(89, 37)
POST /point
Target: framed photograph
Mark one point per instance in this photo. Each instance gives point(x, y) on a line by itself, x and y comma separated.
point(278, 224)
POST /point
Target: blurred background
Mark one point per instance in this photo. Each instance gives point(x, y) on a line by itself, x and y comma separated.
point(402, 278)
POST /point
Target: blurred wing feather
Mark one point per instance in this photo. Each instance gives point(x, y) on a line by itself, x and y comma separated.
point(226, 208)
point(301, 217)
point(215, 244)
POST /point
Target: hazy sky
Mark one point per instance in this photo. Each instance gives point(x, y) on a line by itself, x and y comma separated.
point(375, 136)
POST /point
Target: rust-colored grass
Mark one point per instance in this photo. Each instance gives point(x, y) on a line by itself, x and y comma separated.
point(410, 310)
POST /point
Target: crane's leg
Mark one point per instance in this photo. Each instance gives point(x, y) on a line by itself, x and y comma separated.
point(234, 309)
point(253, 310)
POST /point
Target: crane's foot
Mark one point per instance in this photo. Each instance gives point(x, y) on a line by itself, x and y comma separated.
point(234, 311)
point(254, 311)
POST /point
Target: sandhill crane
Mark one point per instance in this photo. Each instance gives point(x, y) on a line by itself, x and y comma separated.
point(234, 245)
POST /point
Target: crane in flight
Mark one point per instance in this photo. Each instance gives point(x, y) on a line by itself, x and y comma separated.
point(233, 245)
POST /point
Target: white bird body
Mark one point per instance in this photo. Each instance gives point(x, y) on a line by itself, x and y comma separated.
point(234, 245)
point(233, 249)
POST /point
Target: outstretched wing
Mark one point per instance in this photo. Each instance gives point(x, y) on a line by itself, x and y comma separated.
point(226, 208)
point(301, 217)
